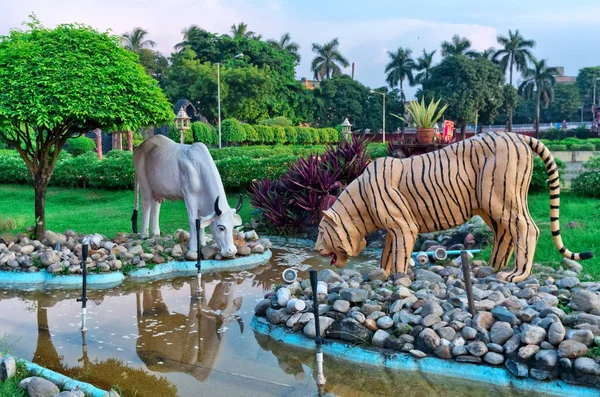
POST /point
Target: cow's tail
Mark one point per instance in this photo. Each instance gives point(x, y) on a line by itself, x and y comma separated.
point(134, 216)
point(554, 185)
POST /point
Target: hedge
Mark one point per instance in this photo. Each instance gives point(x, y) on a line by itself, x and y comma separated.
point(237, 173)
point(584, 147)
point(540, 175)
point(232, 131)
point(557, 147)
point(251, 134)
point(79, 146)
point(204, 133)
point(587, 184)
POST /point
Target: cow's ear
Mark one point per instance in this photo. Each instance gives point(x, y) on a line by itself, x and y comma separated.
point(207, 220)
point(237, 220)
point(332, 216)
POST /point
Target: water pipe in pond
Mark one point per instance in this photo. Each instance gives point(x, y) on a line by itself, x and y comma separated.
point(198, 253)
point(439, 255)
point(318, 339)
point(83, 299)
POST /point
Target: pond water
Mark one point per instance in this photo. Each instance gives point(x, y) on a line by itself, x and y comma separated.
point(162, 339)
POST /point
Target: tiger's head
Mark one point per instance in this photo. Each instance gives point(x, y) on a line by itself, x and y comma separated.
point(336, 242)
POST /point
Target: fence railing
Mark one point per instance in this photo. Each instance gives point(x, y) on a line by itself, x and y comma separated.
point(500, 127)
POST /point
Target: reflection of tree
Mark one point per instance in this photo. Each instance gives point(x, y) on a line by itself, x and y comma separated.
point(173, 342)
point(103, 374)
point(263, 277)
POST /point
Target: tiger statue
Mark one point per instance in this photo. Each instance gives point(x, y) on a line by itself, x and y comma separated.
point(487, 175)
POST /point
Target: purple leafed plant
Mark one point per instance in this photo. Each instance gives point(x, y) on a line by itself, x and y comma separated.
point(350, 157)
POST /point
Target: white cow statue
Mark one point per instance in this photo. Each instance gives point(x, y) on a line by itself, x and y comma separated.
point(168, 170)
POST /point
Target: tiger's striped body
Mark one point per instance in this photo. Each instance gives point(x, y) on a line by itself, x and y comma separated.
point(487, 175)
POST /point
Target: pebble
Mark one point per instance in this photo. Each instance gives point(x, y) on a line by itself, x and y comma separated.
point(493, 358)
point(501, 332)
point(571, 349)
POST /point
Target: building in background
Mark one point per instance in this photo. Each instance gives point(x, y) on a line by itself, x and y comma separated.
point(561, 78)
point(310, 84)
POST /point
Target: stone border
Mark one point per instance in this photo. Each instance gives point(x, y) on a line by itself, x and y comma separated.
point(496, 376)
point(44, 279)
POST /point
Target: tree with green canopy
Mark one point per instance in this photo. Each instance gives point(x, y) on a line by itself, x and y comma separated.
point(539, 81)
point(585, 82)
point(400, 68)
point(285, 43)
point(458, 46)
point(423, 66)
point(514, 55)
point(61, 83)
point(338, 98)
point(240, 31)
point(155, 64)
point(136, 40)
point(565, 103)
point(328, 60)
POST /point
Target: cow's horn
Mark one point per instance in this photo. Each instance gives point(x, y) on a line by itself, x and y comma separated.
point(239, 204)
point(217, 210)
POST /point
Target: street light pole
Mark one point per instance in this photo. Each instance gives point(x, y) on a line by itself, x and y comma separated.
point(383, 94)
point(219, 98)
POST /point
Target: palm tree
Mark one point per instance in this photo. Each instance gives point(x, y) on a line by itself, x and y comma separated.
point(458, 46)
point(325, 64)
point(285, 43)
point(187, 34)
point(399, 68)
point(240, 31)
point(514, 55)
point(135, 40)
point(424, 64)
point(539, 80)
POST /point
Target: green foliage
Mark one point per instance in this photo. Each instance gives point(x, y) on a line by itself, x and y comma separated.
point(566, 102)
point(593, 164)
point(251, 134)
point(587, 184)
point(333, 134)
point(75, 171)
point(540, 174)
point(232, 131)
point(377, 150)
point(584, 147)
point(10, 387)
point(305, 136)
point(316, 137)
point(13, 169)
point(238, 172)
point(324, 135)
point(114, 172)
point(291, 135)
point(279, 135)
point(279, 121)
point(585, 82)
point(202, 132)
point(341, 97)
point(557, 147)
point(424, 116)
point(81, 145)
point(265, 134)
point(175, 135)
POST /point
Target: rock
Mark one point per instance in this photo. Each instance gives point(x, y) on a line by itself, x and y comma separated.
point(324, 323)
point(567, 282)
point(385, 322)
point(501, 332)
point(585, 365)
point(572, 265)
point(262, 306)
point(501, 313)
point(8, 369)
point(136, 250)
point(177, 251)
point(469, 333)
point(494, 347)
point(541, 374)
point(376, 315)
point(469, 359)
point(422, 274)
point(403, 292)
point(585, 301)
point(431, 308)
point(447, 333)
point(378, 274)
point(158, 259)
point(49, 258)
point(546, 359)
point(584, 336)
point(66, 394)
point(525, 293)
point(371, 324)
point(52, 238)
point(379, 338)
point(368, 308)
point(354, 295)
point(430, 320)
point(532, 335)
point(24, 383)
point(258, 249)
point(208, 252)
point(556, 333)
point(477, 349)
point(483, 320)
point(341, 306)
point(40, 387)
point(349, 330)
point(443, 351)
point(329, 276)
point(427, 340)
point(527, 315)
point(293, 320)
point(493, 358)
point(277, 316)
point(404, 281)
point(512, 344)
point(528, 351)
point(417, 353)
point(241, 251)
point(517, 368)
point(27, 249)
point(571, 349)
point(358, 316)
point(459, 350)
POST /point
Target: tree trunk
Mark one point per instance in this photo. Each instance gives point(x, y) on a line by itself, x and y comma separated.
point(98, 133)
point(40, 185)
point(537, 120)
point(130, 140)
point(463, 131)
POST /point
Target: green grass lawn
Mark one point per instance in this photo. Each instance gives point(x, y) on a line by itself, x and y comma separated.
point(109, 212)
point(91, 211)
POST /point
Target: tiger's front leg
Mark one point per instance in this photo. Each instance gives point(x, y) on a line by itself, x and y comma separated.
point(403, 241)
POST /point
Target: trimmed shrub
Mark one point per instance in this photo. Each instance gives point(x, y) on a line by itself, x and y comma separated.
point(582, 132)
point(587, 184)
point(76, 171)
point(175, 135)
point(238, 172)
point(202, 132)
point(279, 121)
point(251, 134)
point(557, 147)
point(79, 146)
point(334, 135)
point(279, 135)
point(324, 135)
point(305, 136)
point(316, 137)
point(584, 147)
point(377, 150)
point(265, 134)
point(291, 135)
point(593, 164)
point(13, 168)
point(114, 172)
point(232, 131)
point(570, 142)
point(540, 175)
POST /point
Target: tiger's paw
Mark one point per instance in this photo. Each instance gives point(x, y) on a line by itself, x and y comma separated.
point(510, 276)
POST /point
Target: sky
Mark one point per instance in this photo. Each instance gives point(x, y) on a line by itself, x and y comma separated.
point(566, 33)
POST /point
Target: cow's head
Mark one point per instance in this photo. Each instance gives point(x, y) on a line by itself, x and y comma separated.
point(222, 221)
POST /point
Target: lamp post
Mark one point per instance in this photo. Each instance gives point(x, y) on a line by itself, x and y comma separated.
point(182, 123)
point(346, 128)
point(238, 56)
point(383, 94)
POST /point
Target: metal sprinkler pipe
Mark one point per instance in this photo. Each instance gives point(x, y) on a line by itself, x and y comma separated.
point(198, 263)
point(83, 299)
point(318, 340)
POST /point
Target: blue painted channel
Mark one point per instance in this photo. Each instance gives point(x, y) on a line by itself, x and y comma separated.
point(497, 376)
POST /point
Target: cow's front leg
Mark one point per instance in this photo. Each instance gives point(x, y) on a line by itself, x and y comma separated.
point(146, 209)
point(192, 210)
point(154, 215)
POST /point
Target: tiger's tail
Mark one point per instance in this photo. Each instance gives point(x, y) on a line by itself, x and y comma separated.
point(554, 185)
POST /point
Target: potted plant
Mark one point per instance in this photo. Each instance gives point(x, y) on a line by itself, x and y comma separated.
point(425, 117)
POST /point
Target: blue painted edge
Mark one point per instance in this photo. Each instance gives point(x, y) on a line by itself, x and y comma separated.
point(207, 266)
point(59, 379)
point(43, 279)
point(497, 376)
